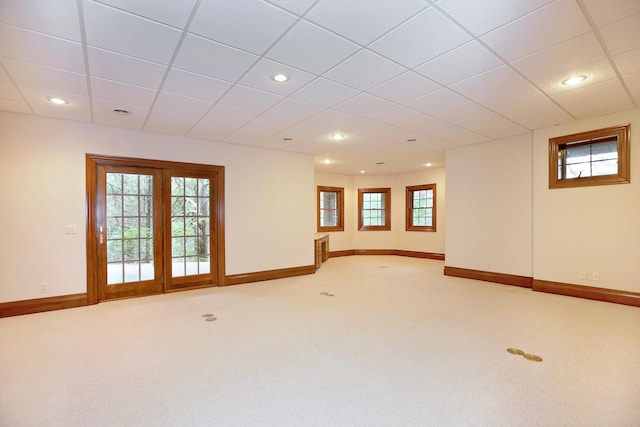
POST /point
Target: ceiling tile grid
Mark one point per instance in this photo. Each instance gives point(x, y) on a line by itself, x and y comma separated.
point(381, 73)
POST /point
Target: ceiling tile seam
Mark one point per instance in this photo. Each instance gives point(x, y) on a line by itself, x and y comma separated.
point(29, 30)
point(504, 61)
point(137, 15)
point(260, 57)
point(603, 45)
point(185, 31)
point(17, 88)
point(85, 55)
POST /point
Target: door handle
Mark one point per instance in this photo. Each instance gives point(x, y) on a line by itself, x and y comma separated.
point(101, 234)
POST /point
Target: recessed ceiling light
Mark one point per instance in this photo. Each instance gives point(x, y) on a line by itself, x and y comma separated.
point(337, 136)
point(362, 171)
point(428, 165)
point(572, 81)
point(327, 161)
point(280, 78)
point(58, 101)
point(411, 140)
point(287, 139)
point(379, 163)
point(121, 111)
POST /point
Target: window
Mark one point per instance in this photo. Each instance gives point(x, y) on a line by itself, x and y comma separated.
point(597, 157)
point(330, 208)
point(421, 208)
point(374, 208)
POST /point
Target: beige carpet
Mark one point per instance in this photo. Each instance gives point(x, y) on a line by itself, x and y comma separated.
point(367, 341)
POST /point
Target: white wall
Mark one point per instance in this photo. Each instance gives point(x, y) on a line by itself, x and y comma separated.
point(596, 229)
point(397, 237)
point(269, 206)
point(489, 206)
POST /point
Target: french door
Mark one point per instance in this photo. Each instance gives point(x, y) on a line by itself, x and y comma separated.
point(154, 227)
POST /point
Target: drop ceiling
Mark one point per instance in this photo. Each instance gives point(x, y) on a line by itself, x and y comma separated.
point(402, 80)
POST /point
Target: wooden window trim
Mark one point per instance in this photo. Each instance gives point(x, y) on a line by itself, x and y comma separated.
point(340, 199)
point(623, 176)
point(409, 208)
point(387, 209)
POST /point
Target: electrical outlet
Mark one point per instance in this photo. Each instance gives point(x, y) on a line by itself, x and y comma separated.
point(595, 276)
point(43, 288)
point(582, 275)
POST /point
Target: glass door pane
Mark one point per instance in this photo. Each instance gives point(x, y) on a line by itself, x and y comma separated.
point(190, 226)
point(129, 234)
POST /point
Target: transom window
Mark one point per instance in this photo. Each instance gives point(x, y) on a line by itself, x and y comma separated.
point(374, 208)
point(330, 208)
point(590, 158)
point(421, 208)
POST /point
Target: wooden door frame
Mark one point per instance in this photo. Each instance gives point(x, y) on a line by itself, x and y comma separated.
point(92, 161)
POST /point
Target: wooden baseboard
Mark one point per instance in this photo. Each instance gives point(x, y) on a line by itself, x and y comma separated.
point(588, 292)
point(488, 276)
point(397, 252)
point(17, 308)
point(237, 279)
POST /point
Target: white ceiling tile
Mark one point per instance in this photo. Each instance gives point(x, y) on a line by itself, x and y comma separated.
point(358, 21)
point(494, 126)
point(561, 21)
point(8, 91)
point(185, 83)
point(115, 91)
point(311, 48)
point(251, 25)
point(171, 123)
point(510, 98)
point(38, 76)
point(125, 69)
point(596, 72)
point(482, 16)
point(250, 99)
point(538, 114)
point(599, 99)
point(567, 55)
point(56, 18)
point(3, 74)
point(435, 101)
point(233, 116)
point(406, 86)
point(136, 37)
point(29, 46)
point(402, 44)
point(489, 82)
point(79, 115)
point(171, 103)
point(363, 105)
point(628, 62)
point(298, 7)
point(258, 129)
point(212, 130)
point(623, 35)
point(324, 93)
point(175, 13)
point(606, 12)
point(212, 59)
point(633, 83)
point(294, 109)
point(331, 119)
point(457, 135)
point(401, 116)
point(260, 77)
point(103, 114)
point(39, 96)
point(460, 63)
point(466, 111)
point(15, 106)
point(364, 70)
